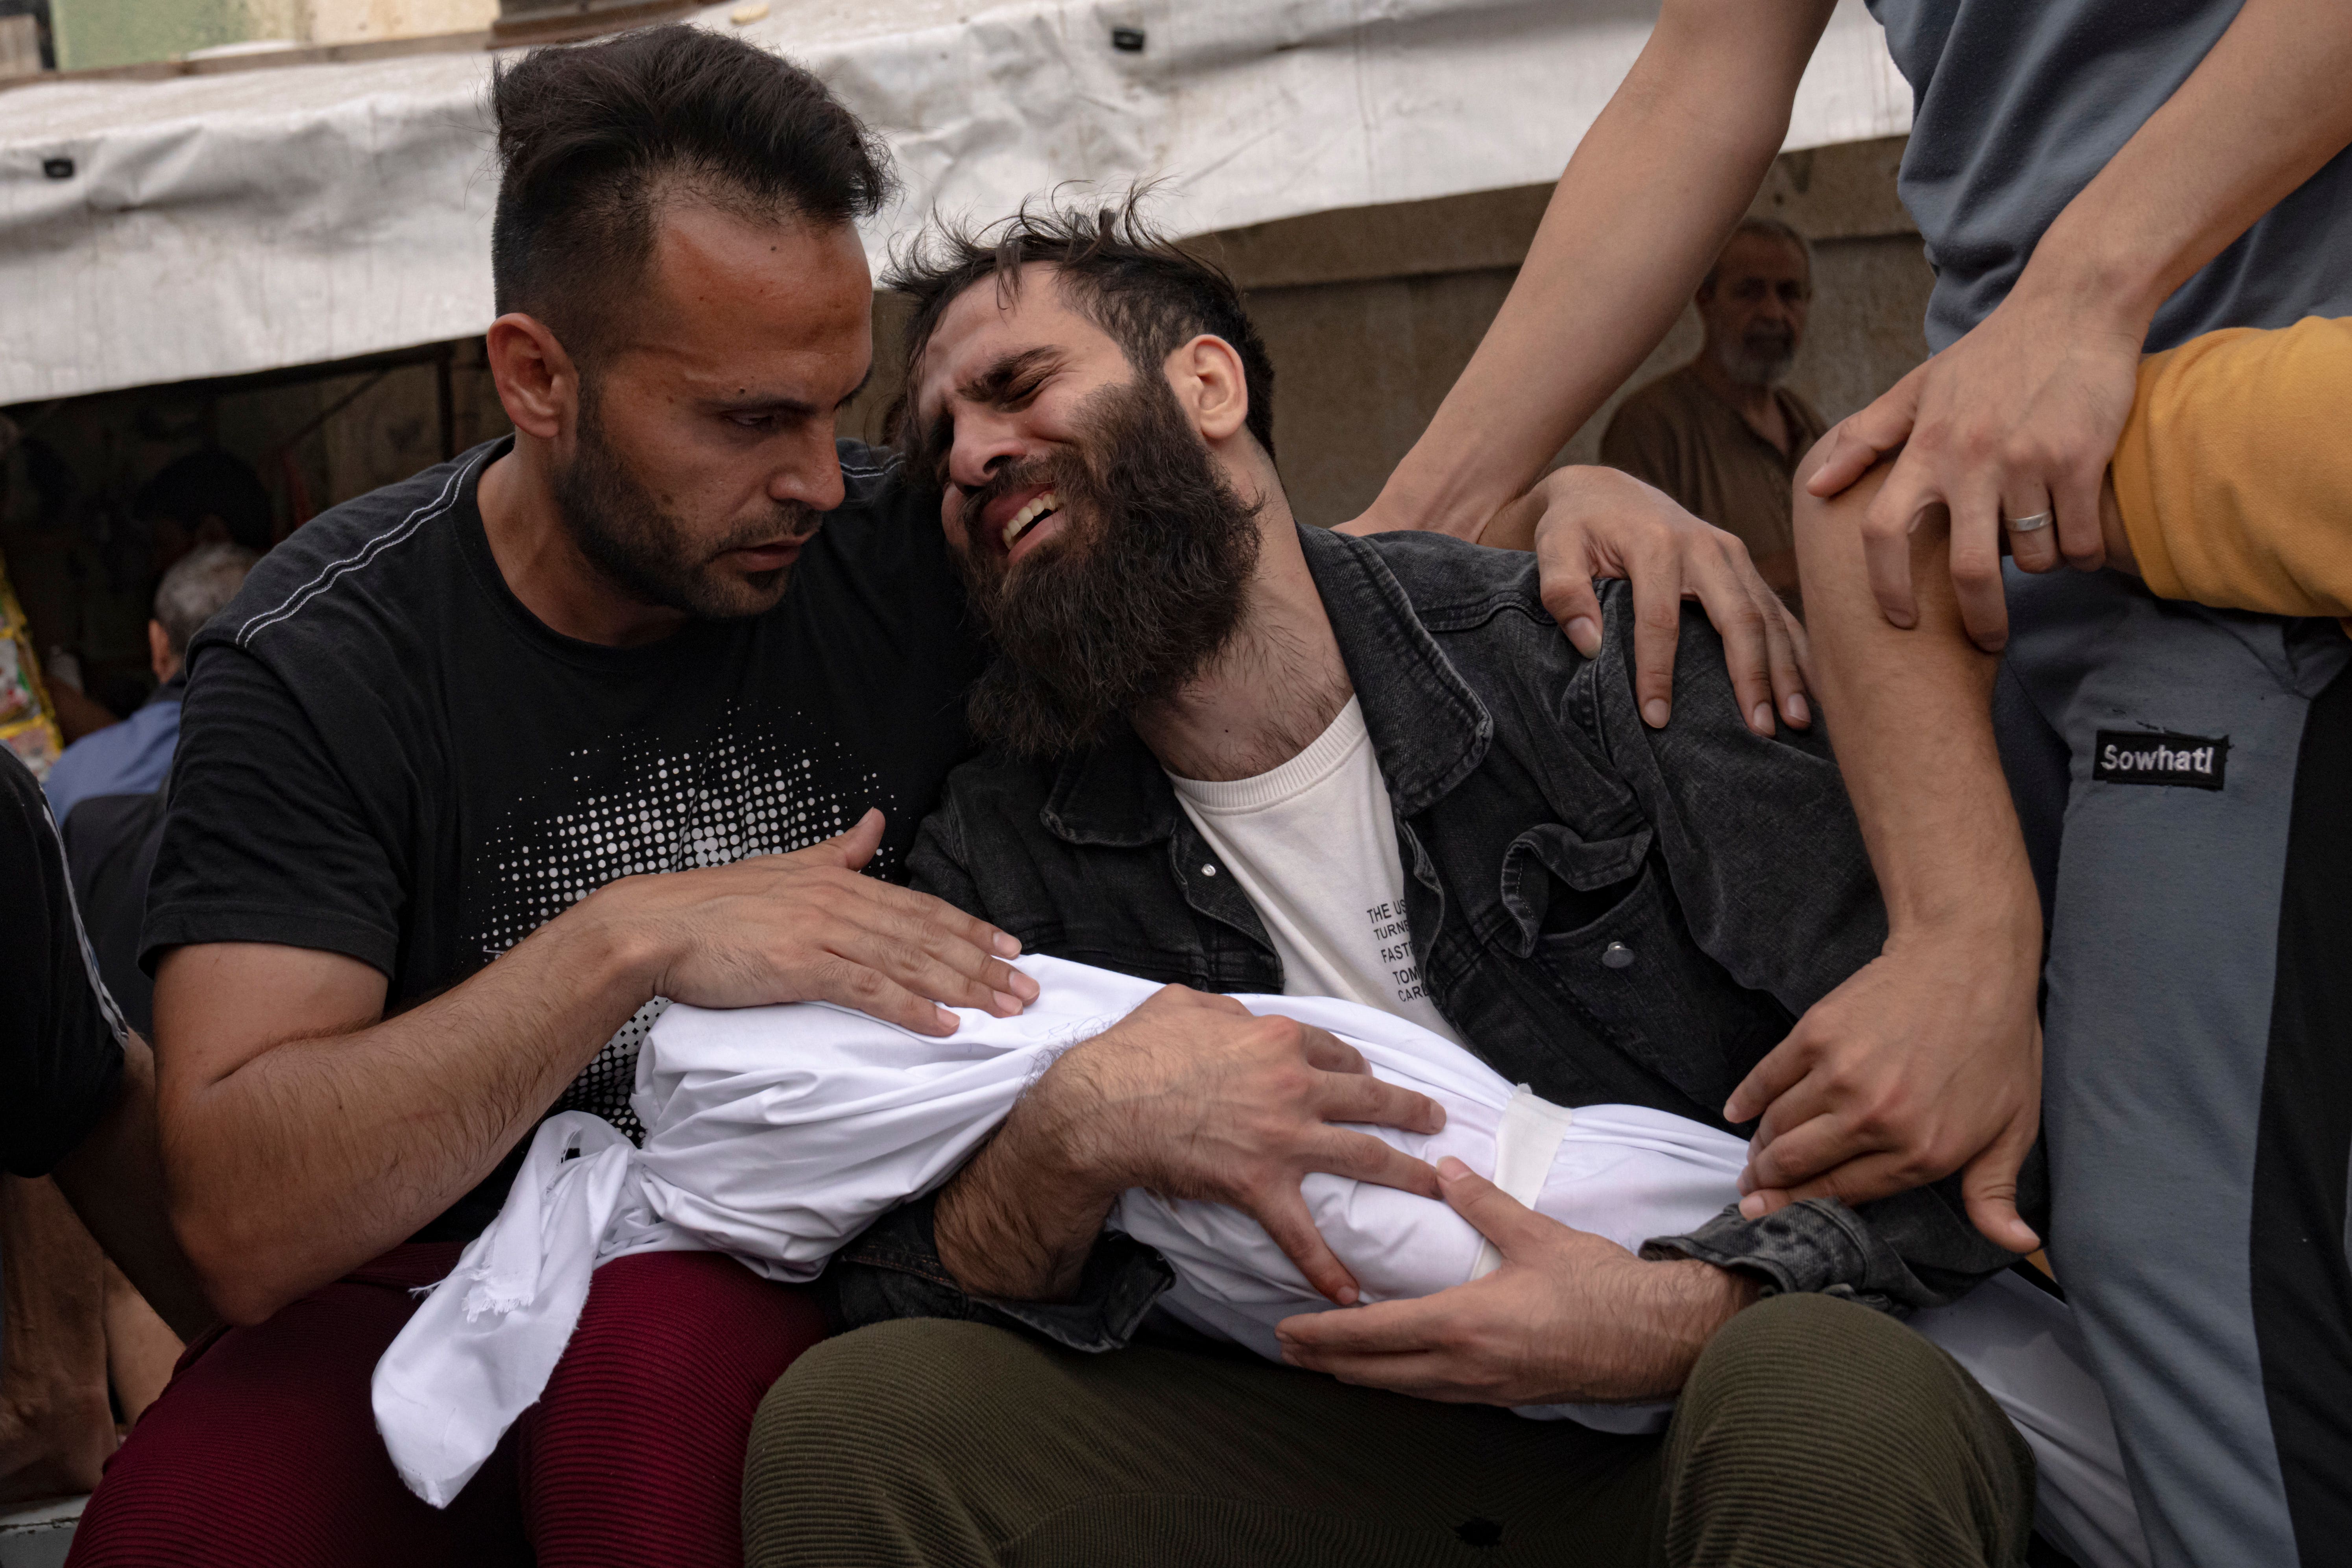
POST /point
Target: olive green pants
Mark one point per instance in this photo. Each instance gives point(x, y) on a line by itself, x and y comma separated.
point(1812, 1433)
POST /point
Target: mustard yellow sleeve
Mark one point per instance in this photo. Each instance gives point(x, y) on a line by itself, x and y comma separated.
point(2234, 474)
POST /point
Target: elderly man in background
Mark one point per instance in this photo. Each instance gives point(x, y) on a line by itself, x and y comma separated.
point(134, 757)
point(108, 791)
point(1723, 434)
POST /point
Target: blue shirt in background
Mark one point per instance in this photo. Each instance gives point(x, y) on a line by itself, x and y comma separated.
point(133, 757)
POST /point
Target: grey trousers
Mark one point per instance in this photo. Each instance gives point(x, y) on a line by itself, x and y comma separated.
point(1812, 1433)
point(2185, 779)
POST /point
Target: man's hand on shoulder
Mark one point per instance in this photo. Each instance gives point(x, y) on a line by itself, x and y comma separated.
point(808, 927)
point(2018, 419)
point(1570, 1318)
point(1191, 1097)
point(1589, 522)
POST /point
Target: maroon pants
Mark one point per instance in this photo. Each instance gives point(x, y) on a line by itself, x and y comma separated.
point(263, 1452)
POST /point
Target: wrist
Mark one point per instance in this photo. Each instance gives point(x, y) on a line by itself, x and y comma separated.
point(1060, 1134)
point(608, 948)
point(2093, 285)
point(1459, 506)
point(2001, 915)
point(1707, 1298)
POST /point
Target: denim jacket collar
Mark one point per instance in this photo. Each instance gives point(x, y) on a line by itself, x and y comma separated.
point(1429, 729)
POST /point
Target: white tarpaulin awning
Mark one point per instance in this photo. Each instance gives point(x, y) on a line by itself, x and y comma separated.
point(214, 224)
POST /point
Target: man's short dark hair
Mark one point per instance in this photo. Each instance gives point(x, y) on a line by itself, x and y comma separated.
point(1150, 294)
point(210, 484)
point(592, 136)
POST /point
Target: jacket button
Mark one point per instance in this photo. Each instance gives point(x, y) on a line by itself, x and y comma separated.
point(1208, 870)
point(1617, 955)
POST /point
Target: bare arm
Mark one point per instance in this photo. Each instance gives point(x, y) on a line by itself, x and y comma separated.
point(114, 1179)
point(1646, 200)
point(2023, 414)
point(304, 1133)
point(1928, 1059)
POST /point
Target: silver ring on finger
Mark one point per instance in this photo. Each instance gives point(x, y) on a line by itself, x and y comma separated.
point(2034, 524)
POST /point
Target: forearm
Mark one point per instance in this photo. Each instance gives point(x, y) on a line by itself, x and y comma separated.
point(2260, 115)
point(1018, 1222)
point(313, 1155)
point(115, 1180)
point(1678, 1307)
point(1909, 714)
point(1671, 164)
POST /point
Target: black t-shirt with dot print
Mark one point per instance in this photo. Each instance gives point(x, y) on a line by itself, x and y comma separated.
point(383, 753)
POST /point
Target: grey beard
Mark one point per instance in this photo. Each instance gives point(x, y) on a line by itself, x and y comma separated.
point(1748, 368)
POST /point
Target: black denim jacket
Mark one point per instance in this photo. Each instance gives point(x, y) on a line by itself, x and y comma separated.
point(1601, 911)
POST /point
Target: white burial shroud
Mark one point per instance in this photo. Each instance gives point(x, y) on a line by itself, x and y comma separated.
point(776, 1134)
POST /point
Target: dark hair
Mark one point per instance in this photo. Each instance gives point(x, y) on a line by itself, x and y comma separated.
point(210, 484)
point(590, 134)
point(1148, 292)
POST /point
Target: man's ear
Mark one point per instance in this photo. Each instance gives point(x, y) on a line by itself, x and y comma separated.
point(160, 657)
point(538, 383)
point(1211, 387)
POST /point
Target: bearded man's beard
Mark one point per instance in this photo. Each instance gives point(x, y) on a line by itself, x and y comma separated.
point(1145, 585)
point(650, 555)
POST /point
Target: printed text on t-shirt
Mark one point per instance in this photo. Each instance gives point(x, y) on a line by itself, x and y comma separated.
point(1395, 934)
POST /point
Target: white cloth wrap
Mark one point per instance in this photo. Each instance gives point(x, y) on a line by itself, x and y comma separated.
point(775, 1134)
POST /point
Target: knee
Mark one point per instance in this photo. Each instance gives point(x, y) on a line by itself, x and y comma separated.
point(856, 1451)
point(1807, 1408)
point(1790, 1364)
point(656, 1324)
point(898, 1389)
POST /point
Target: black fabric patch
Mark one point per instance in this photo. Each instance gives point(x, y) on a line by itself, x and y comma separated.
point(2302, 1282)
point(2160, 757)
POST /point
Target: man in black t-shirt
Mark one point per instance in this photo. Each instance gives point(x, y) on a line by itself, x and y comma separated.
point(429, 754)
point(78, 1105)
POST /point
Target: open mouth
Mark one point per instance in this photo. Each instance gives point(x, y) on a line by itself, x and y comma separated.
point(1039, 508)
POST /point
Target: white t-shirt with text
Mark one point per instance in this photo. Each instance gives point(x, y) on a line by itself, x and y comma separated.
point(1313, 843)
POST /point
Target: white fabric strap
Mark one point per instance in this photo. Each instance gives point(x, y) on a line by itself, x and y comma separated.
point(1526, 1144)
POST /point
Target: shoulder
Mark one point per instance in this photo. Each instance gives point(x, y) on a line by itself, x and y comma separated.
point(1665, 401)
point(1809, 418)
point(887, 525)
point(872, 476)
point(1452, 583)
point(351, 556)
point(877, 495)
point(996, 783)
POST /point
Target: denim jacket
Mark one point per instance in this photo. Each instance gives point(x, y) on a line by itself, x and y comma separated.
point(1601, 911)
